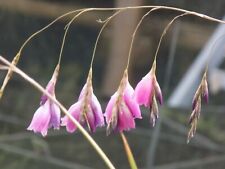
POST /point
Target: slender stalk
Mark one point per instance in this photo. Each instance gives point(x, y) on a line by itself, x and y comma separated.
point(64, 110)
point(47, 26)
point(66, 31)
point(129, 153)
point(100, 32)
point(134, 33)
point(17, 57)
point(121, 8)
point(164, 32)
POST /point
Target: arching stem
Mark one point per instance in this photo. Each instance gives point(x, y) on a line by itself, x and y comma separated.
point(165, 30)
point(134, 33)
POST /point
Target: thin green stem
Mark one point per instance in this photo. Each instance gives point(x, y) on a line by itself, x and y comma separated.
point(134, 33)
point(64, 110)
point(165, 30)
point(129, 153)
point(100, 32)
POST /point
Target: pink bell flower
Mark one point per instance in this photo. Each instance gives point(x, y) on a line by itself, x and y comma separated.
point(48, 114)
point(147, 92)
point(87, 110)
point(122, 109)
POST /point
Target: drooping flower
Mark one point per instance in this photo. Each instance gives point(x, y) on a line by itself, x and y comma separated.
point(122, 108)
point(87, 110)
point(147, 92)
point(202, 92)
point(48, 114)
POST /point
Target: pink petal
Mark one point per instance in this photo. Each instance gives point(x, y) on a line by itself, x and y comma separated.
point(55, 116)
point(126, 120)
point(97, 110)
point(91, 119)
point(143, 91)
point(131, 102)
point(82, 92)
point(109, 107)
point(41, 119)
point(75, 111)
point(50, 88)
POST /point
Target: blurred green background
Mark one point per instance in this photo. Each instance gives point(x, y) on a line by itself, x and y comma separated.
point(164, 148)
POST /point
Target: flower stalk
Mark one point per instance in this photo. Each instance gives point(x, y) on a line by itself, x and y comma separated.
point(129, 153)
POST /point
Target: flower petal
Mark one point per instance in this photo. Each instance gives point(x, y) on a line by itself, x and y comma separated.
point(82, 92)
point(109, 107)
point(50, 88)
point(143, 91)
point(41, 119)
point(91, 119)
point(97, 110)
point(126, 120)
point(75, 111)
point(130, 101)
point(55, 116)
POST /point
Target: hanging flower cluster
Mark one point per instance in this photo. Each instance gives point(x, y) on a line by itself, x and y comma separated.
point(87, 110)
point(48, 114)
point(120, 114)
point(148, 92)
point(122, 108)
